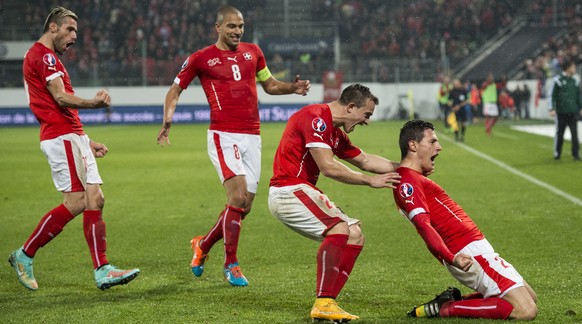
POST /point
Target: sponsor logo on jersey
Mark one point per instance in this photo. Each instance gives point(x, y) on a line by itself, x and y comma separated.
point(318, 125)
point(49, 59)
point(406, 190)
point(231, 58)
point(409, 201)
point(318, 135)
point(214, 61)
point(185, 64)
point(247, 56)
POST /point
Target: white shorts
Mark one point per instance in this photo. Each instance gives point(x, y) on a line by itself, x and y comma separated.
point(490, 274)
point(72, 163)
point(490, 109)
point(234, 154)
point(306, 210)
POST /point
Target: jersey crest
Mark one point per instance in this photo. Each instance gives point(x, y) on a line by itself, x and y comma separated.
point(247, 56)
point(318, 125)
point(406, 190)
point(49, 59)
point(214, 61)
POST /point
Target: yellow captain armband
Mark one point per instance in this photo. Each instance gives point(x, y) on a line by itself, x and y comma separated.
point(264, 74)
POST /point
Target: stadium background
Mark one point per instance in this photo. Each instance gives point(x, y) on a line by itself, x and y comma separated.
point(402, 49)
point(527, 204)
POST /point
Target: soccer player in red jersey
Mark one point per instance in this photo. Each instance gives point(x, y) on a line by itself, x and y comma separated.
point(453, 238)
point(228, 72)
point(70, 152)
point(309, 142)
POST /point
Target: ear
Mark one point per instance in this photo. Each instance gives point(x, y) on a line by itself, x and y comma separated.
point(53, 26)
point(351, 106)
point(412, 146)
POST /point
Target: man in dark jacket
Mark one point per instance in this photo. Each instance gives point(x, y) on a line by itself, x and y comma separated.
point(566, 104)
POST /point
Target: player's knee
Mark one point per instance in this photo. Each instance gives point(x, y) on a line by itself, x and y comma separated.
point(238, 200)
point(525, 313)
point(99, 201)
point(356, 236)
point(339, 228)
point(75, 202)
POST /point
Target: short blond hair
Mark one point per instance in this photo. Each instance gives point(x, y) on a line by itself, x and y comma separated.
point(57, 15)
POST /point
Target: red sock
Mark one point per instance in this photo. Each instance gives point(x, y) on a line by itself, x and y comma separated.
point(328, 261)
point(214, 235)
point(94, 229)
point(492, 308)
point(48, 228)
point(231, 230)
point(347, 260)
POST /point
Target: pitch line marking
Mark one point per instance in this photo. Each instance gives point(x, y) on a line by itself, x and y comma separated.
point(518, 173)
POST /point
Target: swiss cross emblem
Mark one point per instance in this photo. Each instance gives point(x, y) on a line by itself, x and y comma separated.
point(247, 56)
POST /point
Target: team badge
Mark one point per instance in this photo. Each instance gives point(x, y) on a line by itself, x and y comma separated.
point(185, 64)
point(406, 190)
point(49, 59)
point(247, 56)
point(213, 62)
point(318, 125)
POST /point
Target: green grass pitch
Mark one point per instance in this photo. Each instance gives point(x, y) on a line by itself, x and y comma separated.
point(158, 198)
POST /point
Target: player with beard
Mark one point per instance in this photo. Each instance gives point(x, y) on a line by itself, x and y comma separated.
point(70, 153)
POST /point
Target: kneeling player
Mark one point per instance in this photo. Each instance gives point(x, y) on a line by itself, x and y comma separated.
point(453, 238)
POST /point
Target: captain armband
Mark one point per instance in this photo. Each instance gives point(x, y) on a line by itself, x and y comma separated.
point(264, 74)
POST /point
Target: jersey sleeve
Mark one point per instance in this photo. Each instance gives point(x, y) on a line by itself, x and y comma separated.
point(48, 67)
point(411, 201)
point(345, 148)
point(315, 131)
point(434, 242)
point(188, 72)
point(410, 197)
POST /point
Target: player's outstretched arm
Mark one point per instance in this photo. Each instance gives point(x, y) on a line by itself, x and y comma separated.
point(373, 163)
point(172, 97)
point(57, 89)
point(273, 86)
point(335, 170)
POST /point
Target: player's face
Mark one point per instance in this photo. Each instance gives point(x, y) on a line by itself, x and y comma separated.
point(64, 35)
point(428, 149)
point(359, 115)
point(230, 30)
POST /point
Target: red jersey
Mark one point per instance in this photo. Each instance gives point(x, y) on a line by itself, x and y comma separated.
point(40, 66)
point(418, 195)
point(229, 82)
point(311, 126)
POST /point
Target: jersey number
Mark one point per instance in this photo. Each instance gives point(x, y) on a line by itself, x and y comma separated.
point(236, 72)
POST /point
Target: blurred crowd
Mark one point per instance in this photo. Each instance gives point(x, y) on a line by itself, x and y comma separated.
point(115, 36)
point(133, 38)
point(547, 62)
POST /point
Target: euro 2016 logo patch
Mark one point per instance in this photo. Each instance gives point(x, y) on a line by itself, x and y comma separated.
point(406, 190)
point(185, 64)
point(318, 125)
point(49, 59)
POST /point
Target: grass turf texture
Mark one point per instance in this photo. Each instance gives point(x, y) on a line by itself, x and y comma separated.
point(158, 198)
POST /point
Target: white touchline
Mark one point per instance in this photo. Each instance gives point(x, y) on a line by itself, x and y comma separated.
point(527, 177)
